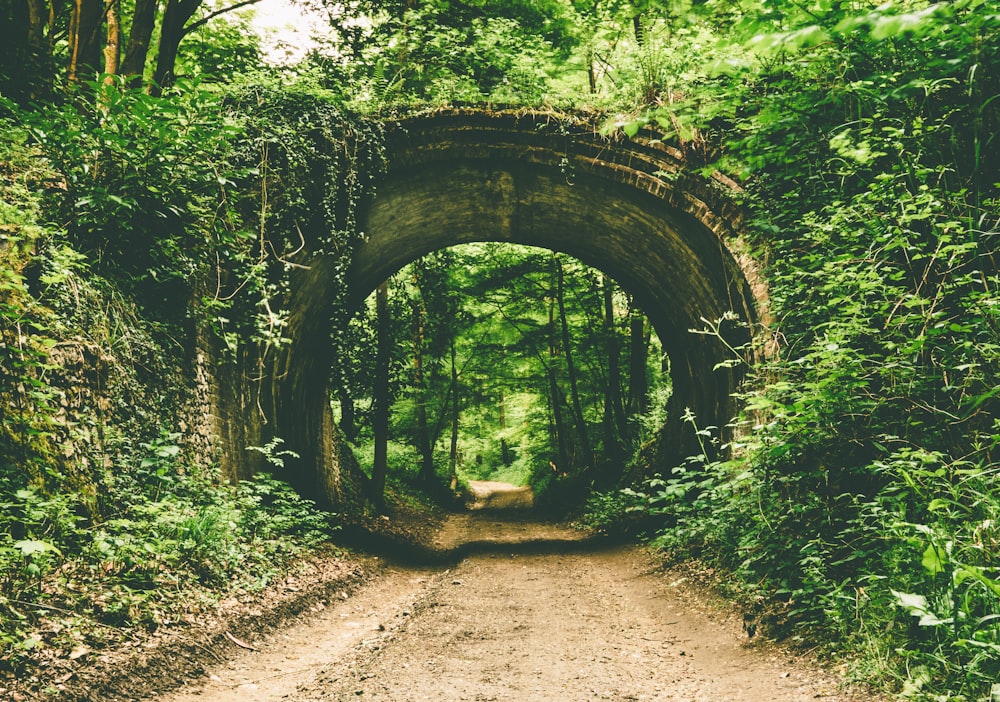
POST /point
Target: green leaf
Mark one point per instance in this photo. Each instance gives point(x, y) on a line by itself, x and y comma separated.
point(29, 547)
point(977, 574)
point(917, 604)
point(31, 642)
point(934, 560)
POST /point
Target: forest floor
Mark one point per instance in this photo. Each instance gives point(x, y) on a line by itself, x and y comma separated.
point(514, 609)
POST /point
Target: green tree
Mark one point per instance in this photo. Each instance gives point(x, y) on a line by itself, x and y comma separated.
point(447, 51)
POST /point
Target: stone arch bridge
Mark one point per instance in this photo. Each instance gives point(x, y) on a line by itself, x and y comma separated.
point(628, 207)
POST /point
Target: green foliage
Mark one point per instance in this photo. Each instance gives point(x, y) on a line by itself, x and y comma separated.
point(103, 523)
point(443, 52)
point(26, 409)
point(173, 531)
point(402, 459)
point(621, 512)
point(942, 515)
point(222, 51)
point(859, 505)
point(273, 453)
point(306, 163)
point(146, 182)
point(495, 303)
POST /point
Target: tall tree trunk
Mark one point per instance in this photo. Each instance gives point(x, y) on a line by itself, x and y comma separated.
point(557, 420)
point(380, 390)
point(423, 436)
point(638, 359)
point(38, 62)
point(453, 454)
point(112, 48)
point(592, 71)
point(85, 39)
point(504, 446)
point(613, 397)
point(172, 29)
point(139, 37)
point(581, 425)
point(557, 429)
point(348, 413)
point(38, 15)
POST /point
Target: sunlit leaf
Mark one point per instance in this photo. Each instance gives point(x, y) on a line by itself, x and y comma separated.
point(31, 547)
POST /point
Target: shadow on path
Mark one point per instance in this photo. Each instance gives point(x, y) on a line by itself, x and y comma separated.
point(500, 521)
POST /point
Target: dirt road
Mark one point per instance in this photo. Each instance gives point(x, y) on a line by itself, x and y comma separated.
point(532, 612)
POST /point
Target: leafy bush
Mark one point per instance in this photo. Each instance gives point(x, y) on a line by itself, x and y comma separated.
point(26, 400)
point(145, 182)
point(622, 512)
point(859, 507)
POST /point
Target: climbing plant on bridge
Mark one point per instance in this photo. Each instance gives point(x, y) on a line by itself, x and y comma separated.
point(310, 165)
point(861, 502)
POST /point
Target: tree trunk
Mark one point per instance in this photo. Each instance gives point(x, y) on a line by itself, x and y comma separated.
point(38, 15)
point(453, 454)
point(140, 35)
point(172, 29)
point(638, 359)
point(557, 427)
point(613, 397)
point(85, 40)
point(348, 413)
point(37, 81)
point(423, 436)
point(380, 391)
point(112, 48)
point(504, 447)
point(592, 72)
point(581, 425)
point(557, 420)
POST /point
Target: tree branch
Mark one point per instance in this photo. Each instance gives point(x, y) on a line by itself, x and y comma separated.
point(212, 15)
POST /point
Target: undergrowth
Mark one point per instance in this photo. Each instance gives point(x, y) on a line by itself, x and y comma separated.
point(178, 536)
point(904, 580)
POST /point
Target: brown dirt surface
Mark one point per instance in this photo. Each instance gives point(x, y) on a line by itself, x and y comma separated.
point(145, 663)
point(489, 494)
point(530, 610)
point(510, 609)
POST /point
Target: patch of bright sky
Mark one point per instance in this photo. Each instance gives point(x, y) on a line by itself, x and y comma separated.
point(286, 29)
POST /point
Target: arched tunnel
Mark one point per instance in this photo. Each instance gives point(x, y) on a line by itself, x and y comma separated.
point(629, 208)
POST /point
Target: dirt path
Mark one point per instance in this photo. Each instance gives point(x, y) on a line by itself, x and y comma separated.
point(533, 612)
point(489, 494)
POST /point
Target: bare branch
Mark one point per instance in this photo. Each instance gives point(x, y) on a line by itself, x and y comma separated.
point(212, 15)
